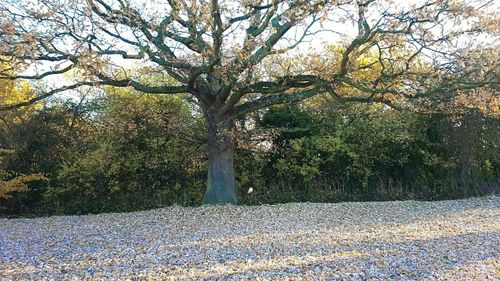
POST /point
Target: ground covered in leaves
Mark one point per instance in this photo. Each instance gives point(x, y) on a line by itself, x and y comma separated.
point(407, 240)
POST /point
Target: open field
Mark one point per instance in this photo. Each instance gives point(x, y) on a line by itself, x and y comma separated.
point(404, 240)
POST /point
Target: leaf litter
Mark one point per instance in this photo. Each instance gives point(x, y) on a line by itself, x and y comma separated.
point(400, 240)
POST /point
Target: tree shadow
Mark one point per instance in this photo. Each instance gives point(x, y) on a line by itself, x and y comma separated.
point(411, 240)
point(413, 259)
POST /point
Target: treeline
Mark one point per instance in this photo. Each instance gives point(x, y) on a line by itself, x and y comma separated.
point(124, 151)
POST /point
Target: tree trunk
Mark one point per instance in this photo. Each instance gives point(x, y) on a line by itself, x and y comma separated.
point(468, 136)
point(221, 186)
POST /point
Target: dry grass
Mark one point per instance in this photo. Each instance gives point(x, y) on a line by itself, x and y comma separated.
point(448, 240)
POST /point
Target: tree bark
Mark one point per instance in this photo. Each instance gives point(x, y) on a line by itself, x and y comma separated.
point(221, 187)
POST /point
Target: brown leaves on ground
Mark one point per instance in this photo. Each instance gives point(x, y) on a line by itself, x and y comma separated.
point(407, 240)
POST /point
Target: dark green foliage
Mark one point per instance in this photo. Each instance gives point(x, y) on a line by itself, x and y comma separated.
point(124, 153)
point(41, 143)
point(292, 120)
point(365, 152)
point(137, 161)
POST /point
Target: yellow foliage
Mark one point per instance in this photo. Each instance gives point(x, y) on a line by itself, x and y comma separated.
point(14, 92)
point(17, 184)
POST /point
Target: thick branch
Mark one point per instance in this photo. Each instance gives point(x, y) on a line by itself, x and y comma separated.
point(276, 99)
point(44, 96)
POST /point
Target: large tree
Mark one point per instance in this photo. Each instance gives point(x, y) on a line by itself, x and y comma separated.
point(238, 56)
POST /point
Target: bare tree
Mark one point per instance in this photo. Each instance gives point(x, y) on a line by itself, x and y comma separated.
point(238, 56)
